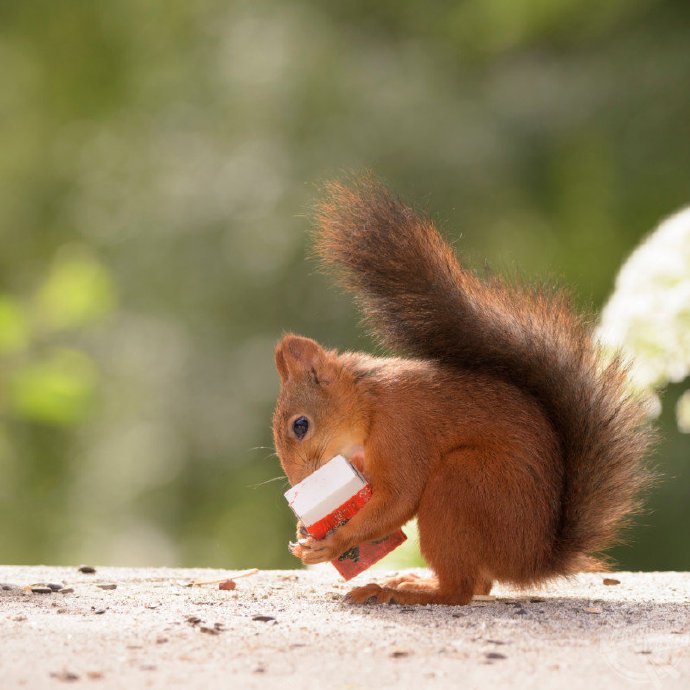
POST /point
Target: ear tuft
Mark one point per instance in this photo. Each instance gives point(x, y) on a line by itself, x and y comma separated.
point(296, 356)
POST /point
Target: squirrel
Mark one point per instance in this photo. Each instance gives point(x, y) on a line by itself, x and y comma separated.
point(501, 426)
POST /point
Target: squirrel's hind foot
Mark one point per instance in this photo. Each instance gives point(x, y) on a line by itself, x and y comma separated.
point(406, 590)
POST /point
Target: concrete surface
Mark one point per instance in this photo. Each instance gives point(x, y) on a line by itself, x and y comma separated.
point(153, 632)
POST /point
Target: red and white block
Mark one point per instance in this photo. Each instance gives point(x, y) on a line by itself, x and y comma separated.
point(326, 500)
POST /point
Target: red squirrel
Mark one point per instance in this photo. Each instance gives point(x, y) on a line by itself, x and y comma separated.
point(501, 426)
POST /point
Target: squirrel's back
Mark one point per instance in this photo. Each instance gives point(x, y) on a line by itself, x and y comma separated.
point(421, 303)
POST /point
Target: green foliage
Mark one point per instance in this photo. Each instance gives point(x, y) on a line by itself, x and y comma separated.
point(46, 382)
point(158, 162)
point(77, 290)
point(14, 330)
point(55, 390)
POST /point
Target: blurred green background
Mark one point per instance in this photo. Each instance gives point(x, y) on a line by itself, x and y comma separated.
point(157, 161)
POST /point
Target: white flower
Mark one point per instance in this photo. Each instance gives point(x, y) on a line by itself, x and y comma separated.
point(648, 315)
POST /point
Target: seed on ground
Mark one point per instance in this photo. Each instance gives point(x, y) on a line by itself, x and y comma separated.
point(208, 631)
point(399, 653)
point(41, 590)
point(111, 585)
point(65, 676)
point(86, 569)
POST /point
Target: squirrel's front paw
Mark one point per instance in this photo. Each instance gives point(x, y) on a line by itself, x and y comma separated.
point(311, 551)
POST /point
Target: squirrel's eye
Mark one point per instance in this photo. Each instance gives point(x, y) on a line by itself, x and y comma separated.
point(300, 426)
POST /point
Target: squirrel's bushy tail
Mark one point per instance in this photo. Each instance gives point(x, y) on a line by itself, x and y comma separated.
point(421, 303)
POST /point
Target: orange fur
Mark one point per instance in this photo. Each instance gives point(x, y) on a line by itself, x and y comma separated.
point(517, 449)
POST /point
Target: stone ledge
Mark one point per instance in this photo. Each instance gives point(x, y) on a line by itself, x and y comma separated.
point(282, 629)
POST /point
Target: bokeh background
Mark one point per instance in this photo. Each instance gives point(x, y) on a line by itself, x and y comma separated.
point(157, 163)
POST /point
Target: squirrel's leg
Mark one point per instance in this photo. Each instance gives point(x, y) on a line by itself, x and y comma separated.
point(448, 538)
point(484, 586)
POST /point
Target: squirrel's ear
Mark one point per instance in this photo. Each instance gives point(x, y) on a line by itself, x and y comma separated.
point(297, 356)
